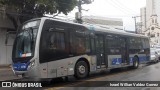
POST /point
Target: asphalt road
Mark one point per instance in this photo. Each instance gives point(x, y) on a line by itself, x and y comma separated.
point(143, 73)
point(7, 74)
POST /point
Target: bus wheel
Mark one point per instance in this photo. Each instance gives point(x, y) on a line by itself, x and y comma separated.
point(81, 70)
point(135, 63)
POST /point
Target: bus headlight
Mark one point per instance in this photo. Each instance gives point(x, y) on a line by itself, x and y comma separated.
point(32, 64)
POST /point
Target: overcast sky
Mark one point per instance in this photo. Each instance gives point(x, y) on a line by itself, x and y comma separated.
point(124, 9)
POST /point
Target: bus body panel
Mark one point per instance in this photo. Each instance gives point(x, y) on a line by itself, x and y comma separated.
point(114, 61)
point(66, 65)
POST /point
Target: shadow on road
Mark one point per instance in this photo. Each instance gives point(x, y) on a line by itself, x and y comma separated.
point(70, 80)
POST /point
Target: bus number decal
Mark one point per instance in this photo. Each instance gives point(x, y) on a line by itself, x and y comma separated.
point(116, 61)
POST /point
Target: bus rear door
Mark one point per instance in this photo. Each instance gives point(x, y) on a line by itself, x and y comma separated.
point(100, 51)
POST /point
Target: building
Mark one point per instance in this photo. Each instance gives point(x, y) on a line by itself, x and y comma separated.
point(113, 23)
point(150, 18)
point(6, 37)
point(143, 19)
point(139, 28)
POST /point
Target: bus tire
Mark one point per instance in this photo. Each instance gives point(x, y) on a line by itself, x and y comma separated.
point(81, 69)
point(135, 63)
point(156, 61)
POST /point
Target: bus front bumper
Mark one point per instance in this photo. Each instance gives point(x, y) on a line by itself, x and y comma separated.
point(18, 72)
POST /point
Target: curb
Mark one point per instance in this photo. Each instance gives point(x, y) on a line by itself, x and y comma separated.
point(6, 66)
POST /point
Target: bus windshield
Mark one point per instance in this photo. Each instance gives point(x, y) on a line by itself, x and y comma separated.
point(25, 40)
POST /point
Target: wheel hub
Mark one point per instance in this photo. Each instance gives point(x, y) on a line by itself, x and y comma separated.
point(82, 69)
point(136, 63)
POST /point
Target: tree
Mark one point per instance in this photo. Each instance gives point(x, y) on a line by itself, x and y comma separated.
point(27, 9)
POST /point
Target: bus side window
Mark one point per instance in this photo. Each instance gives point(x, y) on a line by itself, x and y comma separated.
point(88, 45)
point(56, 41)
point(80, 45)
point(147, 43)
point(93, 45)
point(81, 40)
point(113, 46)
point(52, 46)
point(52, 41)
point(135, 45)
point(132, 43)
point(139, 43)
point(72, 42)
point(143, 43)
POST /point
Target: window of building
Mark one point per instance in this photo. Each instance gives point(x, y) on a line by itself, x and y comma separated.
point(148, 34)
point(155, 20)
point(152, 35)
point(152, 20)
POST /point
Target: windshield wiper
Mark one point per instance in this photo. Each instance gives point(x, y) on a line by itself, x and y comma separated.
point(32, 38)
point(31, 35)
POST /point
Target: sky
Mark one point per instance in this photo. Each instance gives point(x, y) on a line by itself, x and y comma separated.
point(124, 9)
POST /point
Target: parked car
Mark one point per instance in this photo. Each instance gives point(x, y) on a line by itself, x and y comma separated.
point(154, 57)
point(158, 52)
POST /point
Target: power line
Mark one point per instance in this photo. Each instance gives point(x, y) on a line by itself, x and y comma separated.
point(120, 6)
point(124, 6)
point(117, 7)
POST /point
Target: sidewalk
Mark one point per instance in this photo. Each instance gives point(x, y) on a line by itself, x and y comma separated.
point(5, 66)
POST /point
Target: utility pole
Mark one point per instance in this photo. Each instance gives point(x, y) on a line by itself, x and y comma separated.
point(135, 24)
point(80, 6)
point(79, 13)
point(135, 20)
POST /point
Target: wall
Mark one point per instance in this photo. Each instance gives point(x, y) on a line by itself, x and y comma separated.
point(3, 59)
point(143, 19)
point(6, 49)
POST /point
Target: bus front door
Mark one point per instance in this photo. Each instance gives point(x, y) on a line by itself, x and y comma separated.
point(100, 51)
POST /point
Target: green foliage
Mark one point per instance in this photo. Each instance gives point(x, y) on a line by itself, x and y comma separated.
point(70, 4)
point(42, 6)
point(28, 9)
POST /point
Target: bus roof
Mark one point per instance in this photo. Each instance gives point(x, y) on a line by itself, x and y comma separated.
point(97, 28)
point(114, 31)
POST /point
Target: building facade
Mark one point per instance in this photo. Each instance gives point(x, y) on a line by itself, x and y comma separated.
point(143, 19)
point(150, 18)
